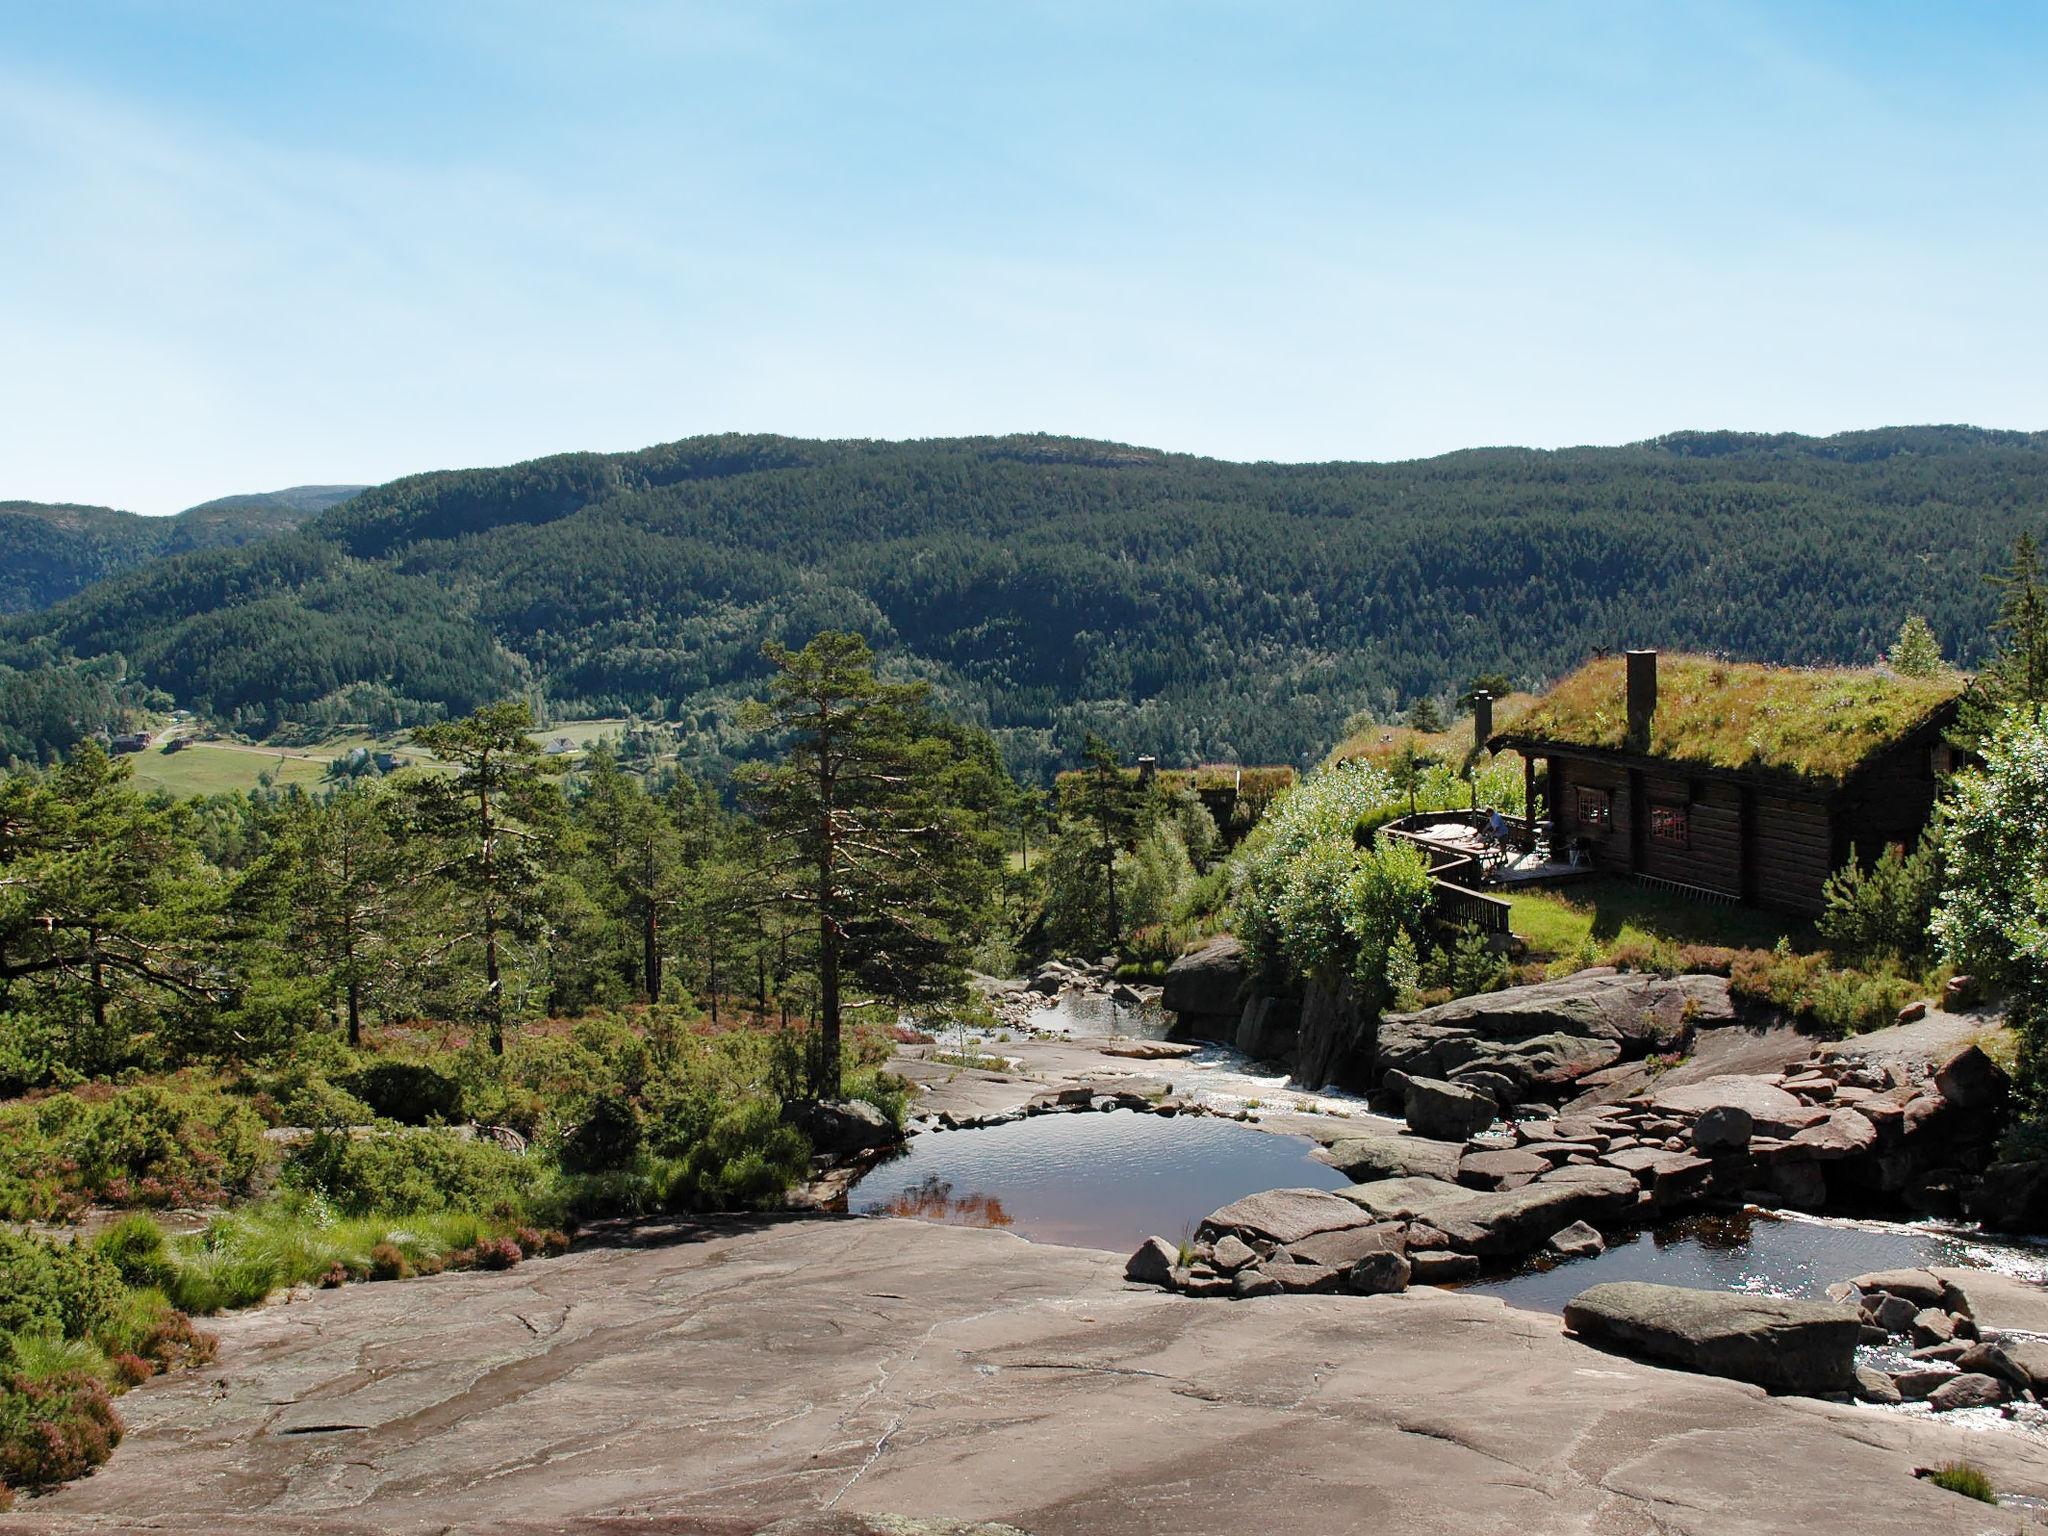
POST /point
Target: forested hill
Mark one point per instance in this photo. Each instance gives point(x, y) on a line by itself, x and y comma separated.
point(1187, 607)
point(49, 551)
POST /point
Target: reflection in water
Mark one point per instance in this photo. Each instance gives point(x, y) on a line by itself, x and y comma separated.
point(934, 1200)
point(1095, 1180)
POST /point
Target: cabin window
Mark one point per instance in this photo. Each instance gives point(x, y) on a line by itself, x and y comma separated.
point(1671, 824)
point(1596, 809)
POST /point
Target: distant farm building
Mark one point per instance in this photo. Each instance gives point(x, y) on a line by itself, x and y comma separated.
point(130, 741)
point(1732, 780)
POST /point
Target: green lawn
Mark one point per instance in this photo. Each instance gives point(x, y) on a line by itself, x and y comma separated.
point(1612, 912)
point(207, 769)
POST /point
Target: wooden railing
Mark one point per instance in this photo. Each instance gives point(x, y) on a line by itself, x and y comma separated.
point(1457, 874)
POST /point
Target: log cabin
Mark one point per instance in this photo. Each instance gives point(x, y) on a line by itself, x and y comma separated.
point(1733, 780)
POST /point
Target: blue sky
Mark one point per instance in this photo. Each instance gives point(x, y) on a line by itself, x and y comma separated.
point(247, 245)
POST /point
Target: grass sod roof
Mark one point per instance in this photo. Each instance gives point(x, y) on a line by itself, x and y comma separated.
point(1813, 724)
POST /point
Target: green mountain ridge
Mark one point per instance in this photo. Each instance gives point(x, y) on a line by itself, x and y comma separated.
point(1193, 608)
point(50, 550)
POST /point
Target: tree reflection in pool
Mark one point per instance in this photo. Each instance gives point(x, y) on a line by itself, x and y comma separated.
point(1089, 1180)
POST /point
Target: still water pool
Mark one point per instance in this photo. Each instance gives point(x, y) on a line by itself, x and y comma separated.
point(1091, 1180)
point(1756, 1251)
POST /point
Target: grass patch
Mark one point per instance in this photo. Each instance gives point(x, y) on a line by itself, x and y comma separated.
point(1609, 913)
point(210, 768)
point(1966, 1478)
point(1805, 723)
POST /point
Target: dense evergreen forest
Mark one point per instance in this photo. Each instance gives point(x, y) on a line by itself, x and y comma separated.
point(49, 551)
point(1047, 587)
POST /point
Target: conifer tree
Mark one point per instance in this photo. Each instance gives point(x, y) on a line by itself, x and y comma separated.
point(495, 821)
point(865, 831)
point(1916, 653)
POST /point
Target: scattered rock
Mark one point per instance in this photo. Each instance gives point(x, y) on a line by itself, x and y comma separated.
point(1153, 1263)
point(1915, 1385)
point(1232, 1253)
point(1441, 1266)
point(1379, 1273)
point(1845, 1133)
point(1577, 1241)
point(1772, 1111)
point(1501, 1170)
point(1785, 1346)
point(1894, 1314)
point(1344, 1247)
point(844, 1127)
point(1931, 1325)
point(1204, 987)
point(1971, 1389)
point(1918, 1286)
point(1723, 1128)
point(2021, 1361)
point(1874, 1386)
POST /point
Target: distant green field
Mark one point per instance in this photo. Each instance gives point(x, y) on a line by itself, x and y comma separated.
point(582, 732)
point(208, 769)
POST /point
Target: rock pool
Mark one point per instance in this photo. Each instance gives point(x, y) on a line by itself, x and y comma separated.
point(1091, 1180)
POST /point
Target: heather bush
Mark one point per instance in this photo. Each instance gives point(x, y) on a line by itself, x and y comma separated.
point(54, 1428)
point(159, 1144)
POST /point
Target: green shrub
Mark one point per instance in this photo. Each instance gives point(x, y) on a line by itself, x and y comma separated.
point(1966, 1478)
point(421, 1170)
point(608, 1135)
point(67, 1289)
point(220, 1279)
point(1882, 915)
point(1834, 1000)
point(749, 1157)
point(885, 1090)
point(410, 1092)
point(134, 1245)
point(54, 1429)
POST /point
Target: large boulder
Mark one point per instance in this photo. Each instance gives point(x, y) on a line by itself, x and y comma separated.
point(1995, 1303)
point(1771, 1110)
point(1517, 1221)
point(1782, 1345)
point(1553, 1033)
point(1205, 986)
point(844, 1127)
point(1286, 1215)
point(1393, 1155)
point(1444, 1111)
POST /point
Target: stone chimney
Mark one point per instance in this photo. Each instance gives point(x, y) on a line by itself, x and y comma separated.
point(1642, 698)
point(1482, 718)
point(1148, 769)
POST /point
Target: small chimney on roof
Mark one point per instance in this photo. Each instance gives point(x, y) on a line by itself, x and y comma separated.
point(1642, 697)
point(1148, 769)
point(1482, 718)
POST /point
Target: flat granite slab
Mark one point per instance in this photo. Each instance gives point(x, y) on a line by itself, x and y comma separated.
point(717, 1380)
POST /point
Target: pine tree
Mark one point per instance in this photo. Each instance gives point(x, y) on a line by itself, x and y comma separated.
point(495, 822)
point(2017, 676)
point(1116, 808)
point(345, 876)
point(1916, 653)
point(1424, 717)
point(865, 831)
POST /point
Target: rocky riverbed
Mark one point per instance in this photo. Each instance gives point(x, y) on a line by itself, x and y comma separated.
point(717, 1380)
